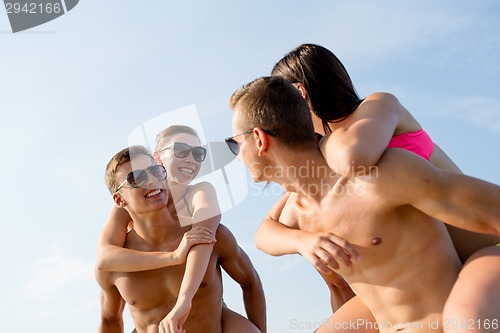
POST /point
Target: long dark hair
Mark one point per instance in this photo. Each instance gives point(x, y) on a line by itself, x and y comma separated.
point(332, 96)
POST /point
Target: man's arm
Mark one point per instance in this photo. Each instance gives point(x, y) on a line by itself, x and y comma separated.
point(279, 234)
point(462, 201)
point(273, 236)
point(239, 267)
point(112, 305)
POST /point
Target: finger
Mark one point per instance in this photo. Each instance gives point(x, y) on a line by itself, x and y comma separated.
point(201, 232)
point(321, 266)
point(348, 247)
point(200, 227)
point(333, 256)
point(196, 232)
point(201, 239)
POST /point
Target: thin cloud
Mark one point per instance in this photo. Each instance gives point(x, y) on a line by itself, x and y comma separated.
point(396, 34)
point(481, 111)
point(58, 271)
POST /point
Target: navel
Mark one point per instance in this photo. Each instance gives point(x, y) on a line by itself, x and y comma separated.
point(376, 240)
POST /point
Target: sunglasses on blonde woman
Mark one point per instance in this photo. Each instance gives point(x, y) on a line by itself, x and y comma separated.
point(182, 150)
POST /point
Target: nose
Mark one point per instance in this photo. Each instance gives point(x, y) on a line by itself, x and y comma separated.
point(189, 157)
point(150, 180)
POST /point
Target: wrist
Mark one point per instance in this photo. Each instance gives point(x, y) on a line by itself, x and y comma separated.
point(298, 240)
point(183, 299)
point(174, 258)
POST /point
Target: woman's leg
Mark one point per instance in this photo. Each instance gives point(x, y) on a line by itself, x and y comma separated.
point(474, 301)
point(233, 322)
point(352, 317)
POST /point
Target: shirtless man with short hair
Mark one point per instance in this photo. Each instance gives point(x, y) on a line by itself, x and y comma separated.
point(408, 264)
point(152, 294)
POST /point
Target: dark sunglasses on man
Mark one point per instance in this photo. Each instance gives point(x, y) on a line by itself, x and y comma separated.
point(234, 145)
point(137, 178)
point(182, 150)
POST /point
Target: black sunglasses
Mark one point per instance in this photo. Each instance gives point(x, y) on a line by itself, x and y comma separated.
point(137, 178)
point(234, 146)
point(182, 150)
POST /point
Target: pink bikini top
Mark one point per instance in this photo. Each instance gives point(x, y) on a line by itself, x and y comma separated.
point(418, 142)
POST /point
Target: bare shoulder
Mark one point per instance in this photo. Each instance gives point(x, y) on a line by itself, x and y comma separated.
point(380, 102)
point(205, 187)
point(383, 97)
point(203, 194)
point(224, 233)
point(226, 242)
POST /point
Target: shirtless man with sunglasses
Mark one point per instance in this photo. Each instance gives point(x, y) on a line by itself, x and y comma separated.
point(403, 261)
point(112, 258)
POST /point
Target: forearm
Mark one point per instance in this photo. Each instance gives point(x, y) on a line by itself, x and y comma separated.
point(196, 267)
point(276, 239)
point(475, 205)
point(119, 259)
point(458, 200)
point(255, 303)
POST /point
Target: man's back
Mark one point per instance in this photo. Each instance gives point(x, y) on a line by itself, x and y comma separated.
point(409, 264)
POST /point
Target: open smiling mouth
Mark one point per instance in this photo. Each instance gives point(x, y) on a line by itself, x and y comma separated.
point(187, 170)
point(153, 193)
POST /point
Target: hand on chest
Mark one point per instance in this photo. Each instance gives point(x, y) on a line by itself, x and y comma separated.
point(353, 218)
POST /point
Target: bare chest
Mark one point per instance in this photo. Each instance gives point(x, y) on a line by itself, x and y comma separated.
point(160, 288)
point(357, 217)
point(150, 289)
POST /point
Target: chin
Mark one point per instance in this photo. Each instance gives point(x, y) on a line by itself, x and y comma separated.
point(257, 179)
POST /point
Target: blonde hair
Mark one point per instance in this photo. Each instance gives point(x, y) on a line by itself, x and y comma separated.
point(164, 137)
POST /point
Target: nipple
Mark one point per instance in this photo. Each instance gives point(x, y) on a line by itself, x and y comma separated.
point(376, 241)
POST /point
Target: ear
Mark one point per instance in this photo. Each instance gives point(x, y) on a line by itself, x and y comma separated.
point(300, 87)
point(119, 202)
point(261, 140)
point(157, 157)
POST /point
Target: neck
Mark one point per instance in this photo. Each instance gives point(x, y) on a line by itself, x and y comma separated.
point(305, 172)
point(155, 227)
point(177, 189)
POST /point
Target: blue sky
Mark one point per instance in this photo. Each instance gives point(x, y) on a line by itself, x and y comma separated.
point(73, 91)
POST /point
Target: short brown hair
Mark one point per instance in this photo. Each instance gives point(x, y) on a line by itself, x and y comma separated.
point(123, 156)
point(273, 103)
